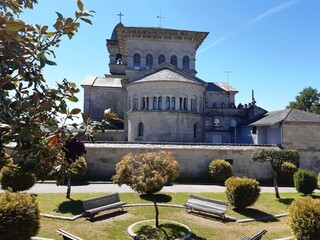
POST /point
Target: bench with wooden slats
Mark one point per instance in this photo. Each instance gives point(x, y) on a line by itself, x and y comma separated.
point(218, 208)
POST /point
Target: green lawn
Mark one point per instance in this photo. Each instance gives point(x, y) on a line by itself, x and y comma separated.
point(113, 224)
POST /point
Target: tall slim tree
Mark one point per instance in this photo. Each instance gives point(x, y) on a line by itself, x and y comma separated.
point(307, 100)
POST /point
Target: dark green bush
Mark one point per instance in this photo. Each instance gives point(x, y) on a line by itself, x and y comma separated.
point(305, 181)
point(19, 216)
point(304, 218)
point(285, 173)
point(242, 192)
point(220, 170)
point(13, 177)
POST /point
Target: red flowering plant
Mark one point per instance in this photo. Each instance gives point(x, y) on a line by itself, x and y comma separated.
point(147, 173)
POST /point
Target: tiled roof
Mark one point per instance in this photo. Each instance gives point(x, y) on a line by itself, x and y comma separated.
point(287, 115)
point(114, 82)
point(220, 87)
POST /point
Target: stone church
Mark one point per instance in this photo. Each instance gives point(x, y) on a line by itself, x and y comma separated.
point(153, 87)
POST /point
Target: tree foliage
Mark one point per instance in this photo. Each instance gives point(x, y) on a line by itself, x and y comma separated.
point(307, 100)
point(32, 114)
point(276, 158)
point(147, 173)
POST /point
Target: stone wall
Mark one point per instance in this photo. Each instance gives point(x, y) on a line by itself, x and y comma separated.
point(305, 137)
point(193, 159)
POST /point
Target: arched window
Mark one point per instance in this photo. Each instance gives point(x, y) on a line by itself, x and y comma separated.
point(136, 61)
point(149, 61)
point(119, 59)
point(155, 103)
point(140, 130)
point(173, 103)
point(159, 103)
point(145, 103)
point(174, 60)
point(195, 129)
point(185, 104)
point(181, 103)
point(168, 103)
point(161, 59)
point(185, 63)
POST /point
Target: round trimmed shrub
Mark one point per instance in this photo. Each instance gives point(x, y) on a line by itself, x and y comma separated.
point(305, 181)
point(304, 218)
point(5, 160)
point(242, 192)
point(19, 216)
point(220, 170)
point(13, 177)
point(286, 172)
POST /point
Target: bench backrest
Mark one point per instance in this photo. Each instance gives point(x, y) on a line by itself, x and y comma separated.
point(100, 201)
point(258, 235)
point(201, 200)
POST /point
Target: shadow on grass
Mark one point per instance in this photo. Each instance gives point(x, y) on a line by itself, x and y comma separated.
point(256, 214)
point(285, 201)
point(160, 198)
point(210, 216)
point(74, 207)
point(106, 216)
point(165, 231)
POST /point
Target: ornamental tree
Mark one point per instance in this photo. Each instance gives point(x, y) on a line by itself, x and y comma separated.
point(147, 173)
point(32, 114)
point(276, 158)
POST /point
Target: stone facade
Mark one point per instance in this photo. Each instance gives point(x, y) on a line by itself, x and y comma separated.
point(153, 86)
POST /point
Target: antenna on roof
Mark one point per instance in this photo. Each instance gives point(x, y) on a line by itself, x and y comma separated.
point(228, 74)
point(160, 18)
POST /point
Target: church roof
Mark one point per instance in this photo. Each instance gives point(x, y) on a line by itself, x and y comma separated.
point(108, 81)
point(164, 72)
point(114, 35)
point(287, 115)
point(221, 87)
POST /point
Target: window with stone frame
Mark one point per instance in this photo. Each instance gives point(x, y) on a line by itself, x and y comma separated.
point(161, 59)
point(168, 103)
point(174, 60)
point(140, 129)
point(173, 103)
point(136, 61)
point(145, 103)
point(149, 61)
point(118, 59)
point(185, 63)
point(159, 103)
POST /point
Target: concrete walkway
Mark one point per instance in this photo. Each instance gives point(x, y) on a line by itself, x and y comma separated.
point(109, 187)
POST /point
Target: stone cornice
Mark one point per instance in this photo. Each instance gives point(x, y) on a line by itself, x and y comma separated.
point(125, 33)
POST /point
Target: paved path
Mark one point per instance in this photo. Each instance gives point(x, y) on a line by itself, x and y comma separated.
point(108, 187)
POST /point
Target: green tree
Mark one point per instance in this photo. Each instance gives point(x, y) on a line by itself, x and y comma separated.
point(307, 100)
point(33, 115)
point(147, 173)
point(276, 158)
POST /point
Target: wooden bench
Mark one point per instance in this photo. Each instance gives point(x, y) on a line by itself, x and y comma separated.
point(207, 205)
point(258, 236)
point(95, 205)
point(67, 236)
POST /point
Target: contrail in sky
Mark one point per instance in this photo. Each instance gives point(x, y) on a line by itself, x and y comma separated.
point(268, 13)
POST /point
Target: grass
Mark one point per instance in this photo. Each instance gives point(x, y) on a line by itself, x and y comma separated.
point(113, 224)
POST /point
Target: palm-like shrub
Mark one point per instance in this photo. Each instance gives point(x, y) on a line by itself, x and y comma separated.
point(242, 192)
point(220, 170)
point(285, 173)
point(19, 216)
point(14, 178)
point(305, 181)
point(304, 218)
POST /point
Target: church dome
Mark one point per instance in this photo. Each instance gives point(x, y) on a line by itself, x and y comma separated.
point(114, 35)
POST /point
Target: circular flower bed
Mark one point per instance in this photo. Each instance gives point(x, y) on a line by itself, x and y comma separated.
point(145, 230)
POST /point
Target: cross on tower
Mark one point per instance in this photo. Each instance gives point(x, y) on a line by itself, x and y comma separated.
point(120, 15)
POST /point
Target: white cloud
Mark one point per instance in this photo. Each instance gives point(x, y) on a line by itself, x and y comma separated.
point(268, 13)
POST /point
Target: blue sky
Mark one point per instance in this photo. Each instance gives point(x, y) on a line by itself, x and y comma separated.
point(270, 46)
